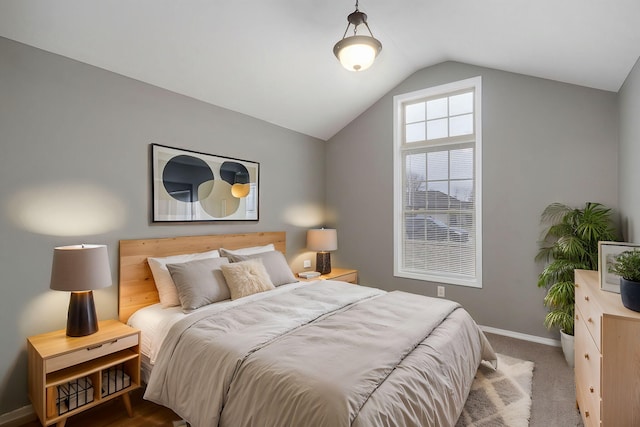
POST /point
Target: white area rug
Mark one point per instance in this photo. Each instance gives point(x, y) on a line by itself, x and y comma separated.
point(499, 398)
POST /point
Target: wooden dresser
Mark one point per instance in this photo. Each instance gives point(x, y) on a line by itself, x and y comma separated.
point(607, 356)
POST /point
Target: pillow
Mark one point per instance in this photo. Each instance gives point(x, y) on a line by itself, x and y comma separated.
point(274, 262)
point(248, 251)
point(161, 276)
point(246, 278)
point(199, 282)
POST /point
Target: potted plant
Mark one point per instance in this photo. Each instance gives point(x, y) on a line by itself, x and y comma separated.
point(570, 242)
point(627, 266)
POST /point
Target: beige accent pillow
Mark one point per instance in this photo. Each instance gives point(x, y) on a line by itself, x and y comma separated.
point(246, 278)
point(164, 283)
point(199, 282)
point(274, 262)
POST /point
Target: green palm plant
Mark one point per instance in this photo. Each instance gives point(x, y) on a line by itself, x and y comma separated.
point(570, 241)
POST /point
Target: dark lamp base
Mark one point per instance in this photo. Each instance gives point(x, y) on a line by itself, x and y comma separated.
point(81, 318)
point(323, 262)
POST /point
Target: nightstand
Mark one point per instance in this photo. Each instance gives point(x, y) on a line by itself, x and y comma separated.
point(68, 375)
point(343, 274)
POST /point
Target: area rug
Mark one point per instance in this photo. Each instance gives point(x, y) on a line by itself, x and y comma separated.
point(499, 397)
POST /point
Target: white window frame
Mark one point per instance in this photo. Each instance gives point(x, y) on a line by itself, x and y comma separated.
point(399, 101)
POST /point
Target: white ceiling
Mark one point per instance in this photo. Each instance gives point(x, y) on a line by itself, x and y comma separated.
point(273, 59)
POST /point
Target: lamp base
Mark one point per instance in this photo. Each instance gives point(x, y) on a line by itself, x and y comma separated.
point(81, 318)
point(323, 262)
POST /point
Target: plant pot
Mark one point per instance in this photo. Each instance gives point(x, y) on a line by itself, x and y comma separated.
point(630, 294)
point(567, 348)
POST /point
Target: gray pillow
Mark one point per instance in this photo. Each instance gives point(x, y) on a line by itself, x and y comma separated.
point(199, 282)
point(274, 262)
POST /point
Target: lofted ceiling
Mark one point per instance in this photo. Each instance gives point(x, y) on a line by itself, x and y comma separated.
point(273, 59)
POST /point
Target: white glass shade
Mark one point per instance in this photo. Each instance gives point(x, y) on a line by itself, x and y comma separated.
point(80, 268)
point(357, 53)
point(323, 239)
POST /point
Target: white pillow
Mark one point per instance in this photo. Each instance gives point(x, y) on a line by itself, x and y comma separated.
point(164, 283)
point(248, 251)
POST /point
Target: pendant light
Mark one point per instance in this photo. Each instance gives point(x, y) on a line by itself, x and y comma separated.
point(241, 187)
point(357, 52)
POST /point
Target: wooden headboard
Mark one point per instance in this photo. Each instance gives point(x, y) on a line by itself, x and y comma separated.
point(136, 286)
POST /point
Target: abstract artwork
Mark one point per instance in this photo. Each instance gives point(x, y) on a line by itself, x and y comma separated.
point(191, 186)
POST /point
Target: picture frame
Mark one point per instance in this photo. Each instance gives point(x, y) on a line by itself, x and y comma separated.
point(607, 251)
point(190, 186)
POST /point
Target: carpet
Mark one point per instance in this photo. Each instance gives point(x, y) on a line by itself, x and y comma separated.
point(499, 398)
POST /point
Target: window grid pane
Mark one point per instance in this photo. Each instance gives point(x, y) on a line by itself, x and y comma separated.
point(439, 212)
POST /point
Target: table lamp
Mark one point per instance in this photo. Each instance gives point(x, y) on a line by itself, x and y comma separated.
point(322, 240)
point(80, 269)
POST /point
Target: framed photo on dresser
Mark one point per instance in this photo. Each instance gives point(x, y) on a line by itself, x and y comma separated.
point(607, 251)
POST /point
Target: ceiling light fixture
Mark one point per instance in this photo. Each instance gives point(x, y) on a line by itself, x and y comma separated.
point(357, 53)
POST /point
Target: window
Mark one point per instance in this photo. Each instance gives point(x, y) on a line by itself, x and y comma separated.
point(437, 191)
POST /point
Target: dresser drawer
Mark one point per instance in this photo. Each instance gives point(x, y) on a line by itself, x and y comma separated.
point(89, 353)
point(587, 369)
point(591, 313)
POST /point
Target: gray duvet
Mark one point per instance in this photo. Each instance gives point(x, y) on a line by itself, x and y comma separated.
point(326, 354)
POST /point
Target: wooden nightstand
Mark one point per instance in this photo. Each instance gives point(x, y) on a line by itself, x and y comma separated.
point(91, 370)
point(343, 274)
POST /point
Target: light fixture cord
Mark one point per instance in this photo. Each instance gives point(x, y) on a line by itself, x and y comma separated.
point(355, 27)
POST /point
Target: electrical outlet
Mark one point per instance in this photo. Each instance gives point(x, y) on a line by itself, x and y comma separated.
point(441, 291)
point(306, 263)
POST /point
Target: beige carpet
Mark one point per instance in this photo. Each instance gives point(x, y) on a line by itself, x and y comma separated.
point(500, 398)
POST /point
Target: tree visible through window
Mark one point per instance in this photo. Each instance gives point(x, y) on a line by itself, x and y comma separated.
point(437, 184)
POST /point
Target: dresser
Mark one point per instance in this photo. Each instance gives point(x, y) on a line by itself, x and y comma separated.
point(607, 356)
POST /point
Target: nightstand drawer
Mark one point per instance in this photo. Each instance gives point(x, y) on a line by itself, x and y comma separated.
point(349, 277)
point(89, 353)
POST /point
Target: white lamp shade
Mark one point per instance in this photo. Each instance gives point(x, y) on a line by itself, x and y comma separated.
point(323, 239)
point(357, 53)
point(80, 268)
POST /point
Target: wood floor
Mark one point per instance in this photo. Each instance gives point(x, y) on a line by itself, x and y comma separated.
point(113, 413)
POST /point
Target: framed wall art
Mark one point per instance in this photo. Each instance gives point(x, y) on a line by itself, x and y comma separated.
point(607, 251)
point(189, 186)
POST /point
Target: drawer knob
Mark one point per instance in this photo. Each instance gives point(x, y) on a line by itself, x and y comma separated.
point(591, 389)
point(577, 318)
point(586, 297)
point(586, 356)
point(586, 413)
point(590, 320)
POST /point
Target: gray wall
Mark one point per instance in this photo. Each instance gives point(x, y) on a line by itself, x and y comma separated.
point(629, 160)
point(63, 123)
point(543, 141)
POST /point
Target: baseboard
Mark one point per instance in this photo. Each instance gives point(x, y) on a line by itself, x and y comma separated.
point(520, 336)
point(18, 417)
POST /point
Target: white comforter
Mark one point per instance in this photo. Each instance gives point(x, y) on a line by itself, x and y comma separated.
point(329, 354)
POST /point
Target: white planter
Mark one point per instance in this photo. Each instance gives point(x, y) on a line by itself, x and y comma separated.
point(567, 347)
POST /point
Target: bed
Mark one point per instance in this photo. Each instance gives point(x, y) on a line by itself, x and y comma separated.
point(318, 353)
